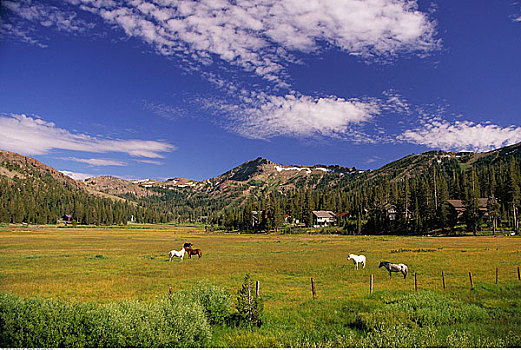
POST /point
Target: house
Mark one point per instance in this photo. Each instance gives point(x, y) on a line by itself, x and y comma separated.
point(459, 206)
point(390, 211)
point(65, 219)
point(257, 216)
point(323, 218)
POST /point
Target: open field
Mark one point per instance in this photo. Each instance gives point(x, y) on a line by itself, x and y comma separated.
point(102, 265)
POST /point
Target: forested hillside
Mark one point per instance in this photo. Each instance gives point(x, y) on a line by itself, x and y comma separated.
point(32, 192)
point(417, 187)
point(407, 196)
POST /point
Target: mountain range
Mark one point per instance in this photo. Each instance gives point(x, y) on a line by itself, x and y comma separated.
point(252, 179)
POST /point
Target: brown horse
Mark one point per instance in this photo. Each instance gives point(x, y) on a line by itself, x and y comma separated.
point(191, 252)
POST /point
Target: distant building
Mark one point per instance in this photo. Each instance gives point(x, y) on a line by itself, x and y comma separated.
point(65, 219)
point(323, 218)
point(458, 206)
point(390, 211)
point(256, 217)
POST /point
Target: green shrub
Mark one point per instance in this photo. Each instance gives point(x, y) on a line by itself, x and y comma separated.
point(215, 301)
point(38, 322)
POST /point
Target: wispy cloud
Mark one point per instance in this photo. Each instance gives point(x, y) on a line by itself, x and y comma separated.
point(97, 161)
point(165, 111)
point(22, 18)
point(462, 135)
point(260, 36)
point(34, 136)
point(149, 161)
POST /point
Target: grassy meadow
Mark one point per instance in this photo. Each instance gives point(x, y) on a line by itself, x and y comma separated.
point(104, 265)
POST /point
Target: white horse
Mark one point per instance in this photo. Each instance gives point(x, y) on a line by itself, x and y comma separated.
point(394, 268)
point(179, 254)
point(357, 259)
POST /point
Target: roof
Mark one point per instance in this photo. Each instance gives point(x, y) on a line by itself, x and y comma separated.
point(459, 205)
point(341, 214)
point(323, 213)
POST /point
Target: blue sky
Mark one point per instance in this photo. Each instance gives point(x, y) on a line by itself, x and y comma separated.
point(161, 89)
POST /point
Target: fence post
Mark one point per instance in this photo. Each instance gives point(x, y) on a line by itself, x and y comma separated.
point(497, 274)
point(249, 303)
point(313, 288)
point(257, 289)
point(415, 282)
point(443, 279)
point(371, 284)
point(518, 275)
point(170, 293)
point(471, 283)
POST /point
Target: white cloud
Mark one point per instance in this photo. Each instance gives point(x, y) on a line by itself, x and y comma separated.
point(462, 136)
point(260, 35)
point(46, 15)
point(267, 116)
point(75, 175)
point(33, 136)
point(97, 161)
point(149, 161)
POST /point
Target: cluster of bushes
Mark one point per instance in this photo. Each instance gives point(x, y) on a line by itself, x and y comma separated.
point(38, 322)
point(181, 320)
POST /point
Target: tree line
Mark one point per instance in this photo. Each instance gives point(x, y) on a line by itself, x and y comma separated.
point(420, 202)
point(38, 198)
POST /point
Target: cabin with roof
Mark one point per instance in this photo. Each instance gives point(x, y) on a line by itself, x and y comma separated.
point(458, 206)
point(323, 218)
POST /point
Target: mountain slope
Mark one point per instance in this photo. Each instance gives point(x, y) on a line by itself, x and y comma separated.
point(33, 192)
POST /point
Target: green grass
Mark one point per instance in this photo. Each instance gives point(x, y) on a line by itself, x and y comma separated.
point(130, 263)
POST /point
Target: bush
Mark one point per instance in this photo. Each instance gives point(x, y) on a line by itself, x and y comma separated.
point(215, 301)
point(38, 322)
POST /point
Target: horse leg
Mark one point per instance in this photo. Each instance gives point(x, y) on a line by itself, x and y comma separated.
point(390, 275)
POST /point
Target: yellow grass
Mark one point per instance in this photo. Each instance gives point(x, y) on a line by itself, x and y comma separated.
point(98, 264)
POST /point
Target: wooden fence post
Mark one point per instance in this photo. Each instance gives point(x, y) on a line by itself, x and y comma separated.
point(170, 293)
point(471, 283)
point(497, 274)
point(443, 279)
point(313, 288)
point(257, 289)
point(415, 282)
point(249, 303)
point(518, 275)
point(371, 284)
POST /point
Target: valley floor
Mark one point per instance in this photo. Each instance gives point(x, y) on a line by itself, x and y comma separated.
point(110, 264)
